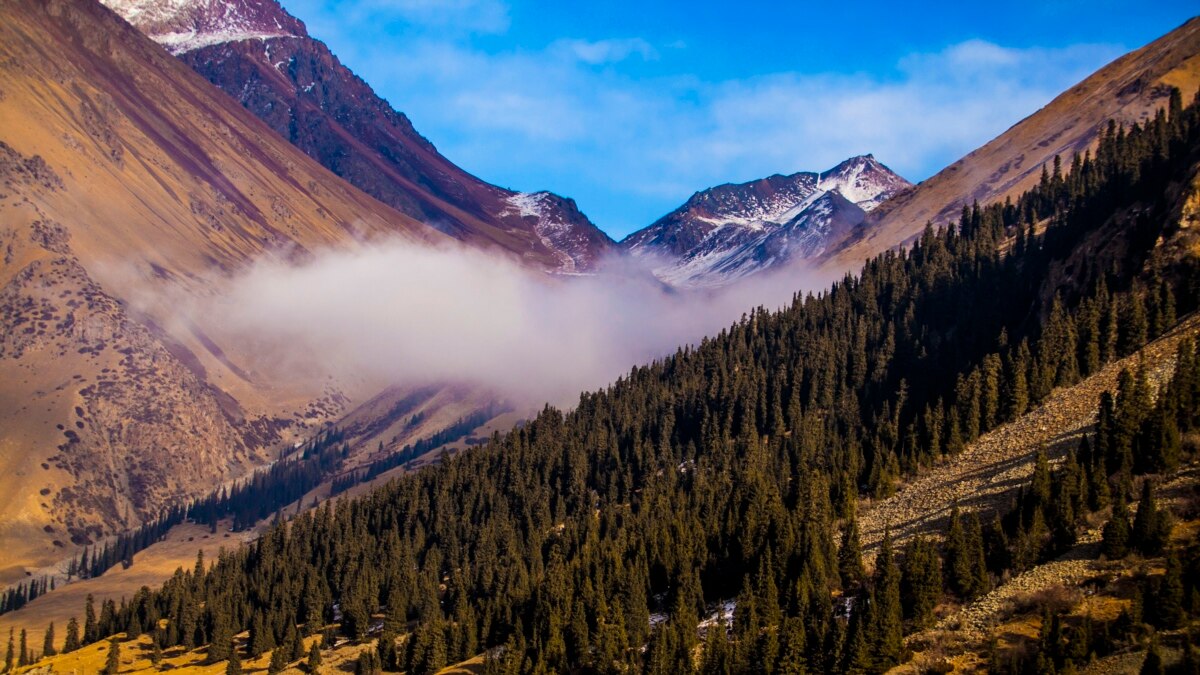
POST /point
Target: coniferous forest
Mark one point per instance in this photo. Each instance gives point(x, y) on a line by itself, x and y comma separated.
point(600, 539)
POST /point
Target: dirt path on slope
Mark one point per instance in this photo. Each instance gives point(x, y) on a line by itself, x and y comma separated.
point(986, 473)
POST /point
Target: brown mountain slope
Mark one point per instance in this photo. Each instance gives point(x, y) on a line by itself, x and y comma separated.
point(122, 170)
point(1129, 89)
point(263, 57)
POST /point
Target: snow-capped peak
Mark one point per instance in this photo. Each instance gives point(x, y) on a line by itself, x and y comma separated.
point(733, 230)
point(185, 25)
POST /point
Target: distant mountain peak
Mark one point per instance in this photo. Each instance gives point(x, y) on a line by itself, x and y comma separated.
point(736, 229)
point(186, 25)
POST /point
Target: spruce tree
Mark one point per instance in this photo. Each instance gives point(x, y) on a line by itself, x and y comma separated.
point(156, 652)
point(90, 631)
point(10, 656)
point(1169, 612)
point(48, 641)
point(23, 657)
point(921, 582)
point(1151, 528)
point(112, 664)
point(278, 662)
point(314, 658)
point(234, 665)
point(72, 640)
point(1116, 533)
point(850, 564)
point(221, 638)
point(888, 641)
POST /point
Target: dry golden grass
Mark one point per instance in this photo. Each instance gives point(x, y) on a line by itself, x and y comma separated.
point(151, 567)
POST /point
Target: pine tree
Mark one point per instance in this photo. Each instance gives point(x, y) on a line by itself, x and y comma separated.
point(921, 582)
point(314, 658)
point(850, 564)
point(1169, 611)
point(889, 615)
point(48, 641)
point(10, 656)
point(90, 630)
point(1151, 528)
point(72, 641)
point(1116, 534)
point(717, 659)
point(792, 660)
point(278, 662)
point(24, 658)
point(112, 664)
point(156, 652)
point(234, 666)
point(221, 638)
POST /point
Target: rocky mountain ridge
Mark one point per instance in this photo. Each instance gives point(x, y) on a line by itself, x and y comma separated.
point(728, 232)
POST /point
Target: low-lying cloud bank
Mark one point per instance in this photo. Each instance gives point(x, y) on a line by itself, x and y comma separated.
point(396, 313)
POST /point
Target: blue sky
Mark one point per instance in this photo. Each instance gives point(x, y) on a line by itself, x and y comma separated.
point(630, 107)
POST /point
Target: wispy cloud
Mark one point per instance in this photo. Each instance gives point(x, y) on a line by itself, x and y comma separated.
point(618, 123)
point(597, 52)
point(388, 312)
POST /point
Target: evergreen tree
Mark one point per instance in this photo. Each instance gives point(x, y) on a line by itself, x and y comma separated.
point(221, 638)
point(888, 644)
point(156, 652)
point(10, 656)
point(1169, 611)
point(1116, 533)
point(90, 631)
point(48, 648)
point(1151, 527)
point(112, 663)
point(234, 666)
point(24, 658)
point(72, 640)
point(278, 662)
point(850, 564)
point(921, 582)
point(314, 658)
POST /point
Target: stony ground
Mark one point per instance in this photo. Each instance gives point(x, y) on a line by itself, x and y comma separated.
point(985, 476)
point(987, 472)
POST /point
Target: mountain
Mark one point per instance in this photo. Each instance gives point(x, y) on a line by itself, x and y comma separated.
point(264, 58)
point(731, 231)
point(126, 179)
point(960, 418)
point(1128, 90)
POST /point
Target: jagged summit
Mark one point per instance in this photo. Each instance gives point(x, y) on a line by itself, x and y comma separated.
point(733, 230)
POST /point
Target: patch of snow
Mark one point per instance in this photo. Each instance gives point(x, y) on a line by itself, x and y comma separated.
point(181, 43)
point(556, 233)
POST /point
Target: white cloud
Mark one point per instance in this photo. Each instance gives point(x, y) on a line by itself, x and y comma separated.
point(623, 141)
point(391, 312)
point(550, 112)
point(597, 52)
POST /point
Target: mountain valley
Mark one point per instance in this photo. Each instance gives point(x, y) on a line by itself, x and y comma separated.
point(977, 450)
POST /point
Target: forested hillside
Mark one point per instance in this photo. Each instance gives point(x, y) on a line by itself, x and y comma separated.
point(597, 540)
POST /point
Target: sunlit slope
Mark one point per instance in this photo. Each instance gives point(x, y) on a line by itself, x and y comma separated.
point(1127, 90)
point(124, 176)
